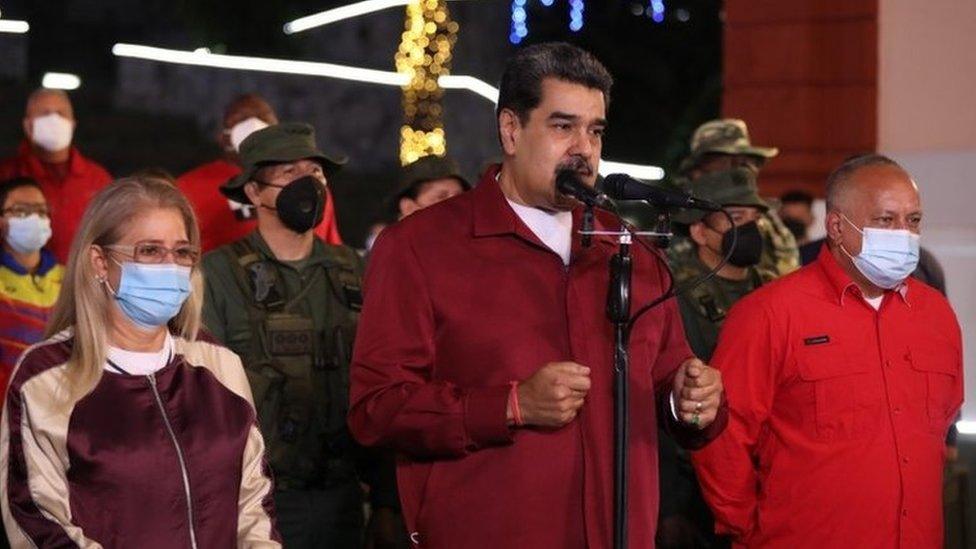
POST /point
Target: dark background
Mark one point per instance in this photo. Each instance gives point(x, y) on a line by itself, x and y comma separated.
point(133, 113)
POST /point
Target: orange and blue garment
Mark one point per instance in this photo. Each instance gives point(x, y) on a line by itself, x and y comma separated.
point(26, 300)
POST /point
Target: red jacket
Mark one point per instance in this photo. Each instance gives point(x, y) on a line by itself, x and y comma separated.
point(462, 298)
point(838, 414)
point(68, 190)
point(223, 221)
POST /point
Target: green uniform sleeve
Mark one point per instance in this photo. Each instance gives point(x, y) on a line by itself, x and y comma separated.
point(214, 300)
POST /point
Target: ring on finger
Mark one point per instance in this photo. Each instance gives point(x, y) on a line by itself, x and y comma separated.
point(698, 406)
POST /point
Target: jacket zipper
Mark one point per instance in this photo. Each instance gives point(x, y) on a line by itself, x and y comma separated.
point(179, 455)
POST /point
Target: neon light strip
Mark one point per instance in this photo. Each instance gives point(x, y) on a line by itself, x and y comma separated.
point(14, 26)
point(202, 58)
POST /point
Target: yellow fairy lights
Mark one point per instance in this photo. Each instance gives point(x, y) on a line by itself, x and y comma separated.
point(424, 56)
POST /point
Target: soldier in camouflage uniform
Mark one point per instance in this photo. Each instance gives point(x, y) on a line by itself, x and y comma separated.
point(288, 304)
point(684, 519)
point(722, 145)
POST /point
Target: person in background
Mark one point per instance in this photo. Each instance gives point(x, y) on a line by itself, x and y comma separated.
point(123, 428)
point(796, 211)
point(843, 379)
point(724, 144)
point(428, 181)
point(30, 276)
point(224, 220)
point(67, 178)
point(288, 304)
point(684, 520)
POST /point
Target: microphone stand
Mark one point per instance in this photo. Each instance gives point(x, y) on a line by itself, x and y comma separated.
point(618, 311)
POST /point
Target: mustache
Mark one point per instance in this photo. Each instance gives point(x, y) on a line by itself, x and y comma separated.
point(576, 164)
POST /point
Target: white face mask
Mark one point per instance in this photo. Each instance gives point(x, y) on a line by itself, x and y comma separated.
point(52, 132)
point(28, 234)
point(888, 256)
point(244, 128)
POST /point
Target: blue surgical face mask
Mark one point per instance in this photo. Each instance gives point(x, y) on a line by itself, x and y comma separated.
point(888, 256)
point(26, 235)
point(149, 294)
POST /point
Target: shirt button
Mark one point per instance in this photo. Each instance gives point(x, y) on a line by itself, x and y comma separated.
point(904, 512)
point(897, 410)
point(904, 460)
point(887, 364)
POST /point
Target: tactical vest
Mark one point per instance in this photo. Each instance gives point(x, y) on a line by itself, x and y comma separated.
point(299, 372)
point(708, 298)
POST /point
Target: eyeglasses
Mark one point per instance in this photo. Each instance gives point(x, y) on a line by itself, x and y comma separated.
point(23, 210)
point(184, 255)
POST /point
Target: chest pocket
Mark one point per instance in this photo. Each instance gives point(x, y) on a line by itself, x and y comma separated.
point(837, 396)
point(938, 368)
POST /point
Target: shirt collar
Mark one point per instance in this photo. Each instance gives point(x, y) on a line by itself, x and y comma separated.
point(76, 162)
point(842, 283)
point(47, 263)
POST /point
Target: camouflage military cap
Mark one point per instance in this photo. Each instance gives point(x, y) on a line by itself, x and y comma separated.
point(724, 136)
point(429, 168)
point(277, 144)
point(735, 187)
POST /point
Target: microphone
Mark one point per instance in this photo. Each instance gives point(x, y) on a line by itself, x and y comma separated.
point(569, 183)
point(624, 187)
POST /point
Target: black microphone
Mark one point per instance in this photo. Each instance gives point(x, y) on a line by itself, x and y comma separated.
point(624, 187)
point(569, 183)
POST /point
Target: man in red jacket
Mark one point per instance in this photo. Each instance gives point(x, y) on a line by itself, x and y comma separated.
point(483, 355)
point(222, 220)
point(843, 379)
point(67, 178)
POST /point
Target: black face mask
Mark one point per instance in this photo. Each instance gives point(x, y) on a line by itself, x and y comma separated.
point(748, 246)
point(300, 204)
point(797, 227)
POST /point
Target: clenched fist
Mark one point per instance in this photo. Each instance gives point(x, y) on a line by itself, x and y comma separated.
point(697, 392)
point(554, 394)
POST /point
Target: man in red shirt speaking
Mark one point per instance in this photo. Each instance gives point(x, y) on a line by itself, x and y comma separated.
point(843, 379)
point(483, 355)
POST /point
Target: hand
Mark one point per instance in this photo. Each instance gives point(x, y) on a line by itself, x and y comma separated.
point(697, 392)
point(385, 530)
point(554, 394)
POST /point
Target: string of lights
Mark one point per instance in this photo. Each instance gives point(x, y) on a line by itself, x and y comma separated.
point(575, 15)
point(657, 11)
point(520, 27)
point(423, 57)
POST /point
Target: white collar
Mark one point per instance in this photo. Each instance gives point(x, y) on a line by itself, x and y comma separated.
point(554, 229)
point(121, 361)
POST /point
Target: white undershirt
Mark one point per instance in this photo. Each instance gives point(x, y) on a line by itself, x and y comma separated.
point(140, 364)
point(874, 301)
point(554, 229)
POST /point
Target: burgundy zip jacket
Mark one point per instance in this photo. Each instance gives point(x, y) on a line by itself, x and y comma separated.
point(461, 299)
point(169, 460)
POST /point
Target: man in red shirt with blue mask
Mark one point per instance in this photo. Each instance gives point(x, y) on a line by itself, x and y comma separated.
point(843, 379)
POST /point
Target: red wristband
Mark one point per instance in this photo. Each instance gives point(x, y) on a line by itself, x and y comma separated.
point(514, 404)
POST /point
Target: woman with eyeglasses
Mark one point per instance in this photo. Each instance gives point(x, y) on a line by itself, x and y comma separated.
point(30, 276)
point(123, 428)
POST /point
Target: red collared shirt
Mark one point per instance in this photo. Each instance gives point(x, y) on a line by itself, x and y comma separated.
point(462, 298)
point(68, 189)
point(839, 414)
point(222, 220)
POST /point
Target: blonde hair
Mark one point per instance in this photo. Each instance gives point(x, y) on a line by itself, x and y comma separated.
point(84, 302)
